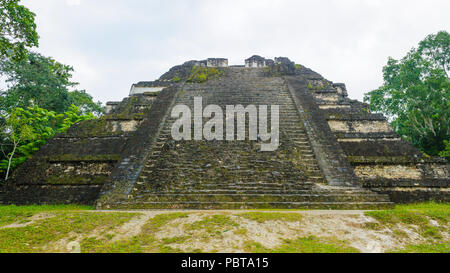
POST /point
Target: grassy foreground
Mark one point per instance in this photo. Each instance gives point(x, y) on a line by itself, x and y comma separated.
point(409, 228)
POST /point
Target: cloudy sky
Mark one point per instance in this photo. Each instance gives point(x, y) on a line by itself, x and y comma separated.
point(114, 43)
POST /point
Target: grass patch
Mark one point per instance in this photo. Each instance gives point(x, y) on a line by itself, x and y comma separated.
point(255, 247)
point(373, 226)
point(154, 224)
point(175, 240)
point(20, 214)
point(424, 248)
point(262, 217)
point(145, 241)
point(213, 224)
point(99, 245)
point(309, 244)
point(241, 231)
point(35, 237)
point(416, 214)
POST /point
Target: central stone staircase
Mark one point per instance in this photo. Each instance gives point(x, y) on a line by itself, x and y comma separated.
point(237, 174)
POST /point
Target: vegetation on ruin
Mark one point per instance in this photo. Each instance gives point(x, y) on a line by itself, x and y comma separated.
point(86, 158)
point(415, 95)
point(201, 74)
point(446, 152)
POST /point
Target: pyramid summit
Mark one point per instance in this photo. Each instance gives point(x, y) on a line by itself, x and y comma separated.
point(332, 151)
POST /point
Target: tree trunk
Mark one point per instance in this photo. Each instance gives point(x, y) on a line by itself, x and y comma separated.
point(9, 161)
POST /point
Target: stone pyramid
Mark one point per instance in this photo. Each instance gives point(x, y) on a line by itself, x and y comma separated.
point(332, 153)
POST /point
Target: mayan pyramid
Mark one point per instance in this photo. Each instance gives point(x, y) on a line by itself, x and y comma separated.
point(333, 153)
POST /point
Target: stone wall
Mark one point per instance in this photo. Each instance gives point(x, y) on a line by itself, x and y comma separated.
point(328, 152)
point(257, 62)
point(136, 150)
point(382, 161)
point(217, 62)
point(72, 167)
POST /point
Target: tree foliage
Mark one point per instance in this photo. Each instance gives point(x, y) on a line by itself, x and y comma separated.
point(26, 130)
point(85, 102)
point(416, 94)
point(41, 81)
point(17, 30)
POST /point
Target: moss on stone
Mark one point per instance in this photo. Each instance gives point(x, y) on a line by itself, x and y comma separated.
point(86, 158)
point(152, 94)
point(125, 116)
point(76, 180)
point(380, 159)
point(201, 74)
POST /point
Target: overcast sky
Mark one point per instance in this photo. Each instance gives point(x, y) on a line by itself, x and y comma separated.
point(114, 43)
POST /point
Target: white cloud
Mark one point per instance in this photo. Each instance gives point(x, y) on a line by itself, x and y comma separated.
point(73, 2)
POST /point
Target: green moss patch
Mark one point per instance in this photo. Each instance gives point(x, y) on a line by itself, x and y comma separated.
point(84, 158)
point(418, 215)
point(76, 180)
point(213, 224)
point(19, 214)
point(35, 237)
point(201, 74)
point(100, 245)
point(381, 159)
point(424, 248)
point(262, 217)
point(309, 244)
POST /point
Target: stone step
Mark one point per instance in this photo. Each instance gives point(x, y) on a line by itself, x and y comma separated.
point(195, 188)
point(175, 172)
point(251, 205)
point(237, 185)
point(311, 191)
point(294, 198)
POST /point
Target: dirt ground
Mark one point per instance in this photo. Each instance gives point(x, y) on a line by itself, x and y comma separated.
point(229, 231)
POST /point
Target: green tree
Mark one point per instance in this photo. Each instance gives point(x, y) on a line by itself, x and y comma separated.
point(17, 30)
point(41, 81)
point(85, 102)
point(26, 130)
point(416, 94)
point(36, 81)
